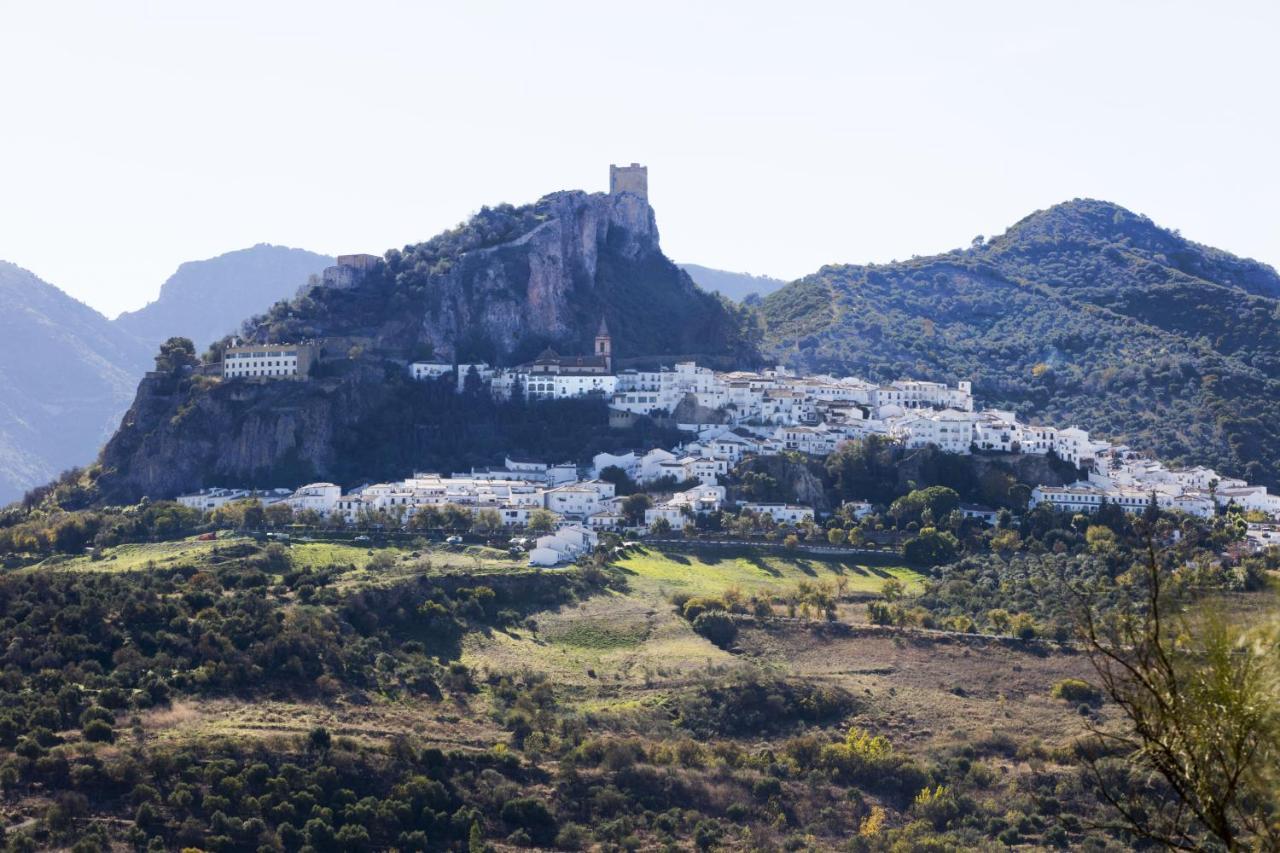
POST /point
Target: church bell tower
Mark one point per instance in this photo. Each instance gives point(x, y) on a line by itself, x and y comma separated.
point(604, 346)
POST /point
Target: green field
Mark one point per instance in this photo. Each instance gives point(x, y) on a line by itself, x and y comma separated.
point(304, 555)
point(133, 558)
point(708, 571)
point(635, 636)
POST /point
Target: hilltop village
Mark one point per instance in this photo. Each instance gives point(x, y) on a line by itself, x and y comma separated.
point(728, 417)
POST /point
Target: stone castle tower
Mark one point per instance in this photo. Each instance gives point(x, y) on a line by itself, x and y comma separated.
point(604, 346)
point(629, 179)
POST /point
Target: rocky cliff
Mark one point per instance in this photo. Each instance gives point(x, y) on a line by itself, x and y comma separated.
point(513, 280)
point(500, 287)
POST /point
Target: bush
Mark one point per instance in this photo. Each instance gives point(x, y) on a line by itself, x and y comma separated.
point(98, 731)
point(1075, 690)
point(716, 626)
point(931, 548)
point(532, 816)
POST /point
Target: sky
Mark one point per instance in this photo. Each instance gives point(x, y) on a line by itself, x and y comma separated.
point(779, 136)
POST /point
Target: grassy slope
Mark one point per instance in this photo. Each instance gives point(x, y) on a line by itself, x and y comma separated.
point(710, 571)
point(628, 650)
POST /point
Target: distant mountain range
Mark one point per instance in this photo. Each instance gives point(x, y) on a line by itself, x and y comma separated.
point(733, 285)
point(205, 300)
point(67, 373)
point(1084, 313)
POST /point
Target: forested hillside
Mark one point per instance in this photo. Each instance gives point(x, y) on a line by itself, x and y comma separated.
point(1082, 314)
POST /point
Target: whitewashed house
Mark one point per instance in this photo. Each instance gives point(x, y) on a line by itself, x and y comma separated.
point(781, 513)
point(674, 514)
point(563, 546)
point(317, 497)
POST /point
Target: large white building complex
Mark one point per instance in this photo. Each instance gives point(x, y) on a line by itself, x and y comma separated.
point(268, 361)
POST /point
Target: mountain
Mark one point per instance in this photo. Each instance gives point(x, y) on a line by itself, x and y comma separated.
point(502, 286)
point(205, 300)
point(732, 285)
point(66, 374)
point(1083, 313)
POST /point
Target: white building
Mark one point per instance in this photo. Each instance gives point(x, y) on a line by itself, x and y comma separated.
point(781, 513)
point(563, 546)
point(857, 510)
point(318, 497)
point(949, 430)
point(429, 370)
point(674, 514)
point(268, 361)
point(1087, 497)
point(578, 500)
point(210, 499)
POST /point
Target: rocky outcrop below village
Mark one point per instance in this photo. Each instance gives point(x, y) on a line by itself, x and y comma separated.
point(181, 434)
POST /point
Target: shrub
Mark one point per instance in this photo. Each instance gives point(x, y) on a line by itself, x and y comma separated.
point(717, 627)
point(98, 731)
point(530, 815)
point(1075, 690)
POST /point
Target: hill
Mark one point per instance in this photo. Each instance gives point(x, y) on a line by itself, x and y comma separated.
point(1084, 313)
point(66, 375)
point(501, 287)
point(732, 285)
point(204, 300)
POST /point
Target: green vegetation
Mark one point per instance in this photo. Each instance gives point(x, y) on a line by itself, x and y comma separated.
point(1075, 690)
point(1081, 314)
point(710, 571)
point(238, 695)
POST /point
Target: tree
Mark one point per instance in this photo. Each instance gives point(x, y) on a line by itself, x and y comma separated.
point(472, 384)
point(541, 521)
point(622, 483)
point(319, 740)
point(1006, 541)
point(660, 527)
point(255, 516)
point(1101, 540)
point(865, 469)
point(633, 507)
point(279, 514)
point(935, 501)
point(1202, 701)
point(486, 521)
point(931, 547)
point(892, 590)
point(835, 536)
point(175, 355)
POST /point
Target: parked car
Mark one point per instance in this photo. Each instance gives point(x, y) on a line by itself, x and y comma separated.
point(453, 540)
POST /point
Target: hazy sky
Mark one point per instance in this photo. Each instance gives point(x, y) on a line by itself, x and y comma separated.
point(779, 136)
